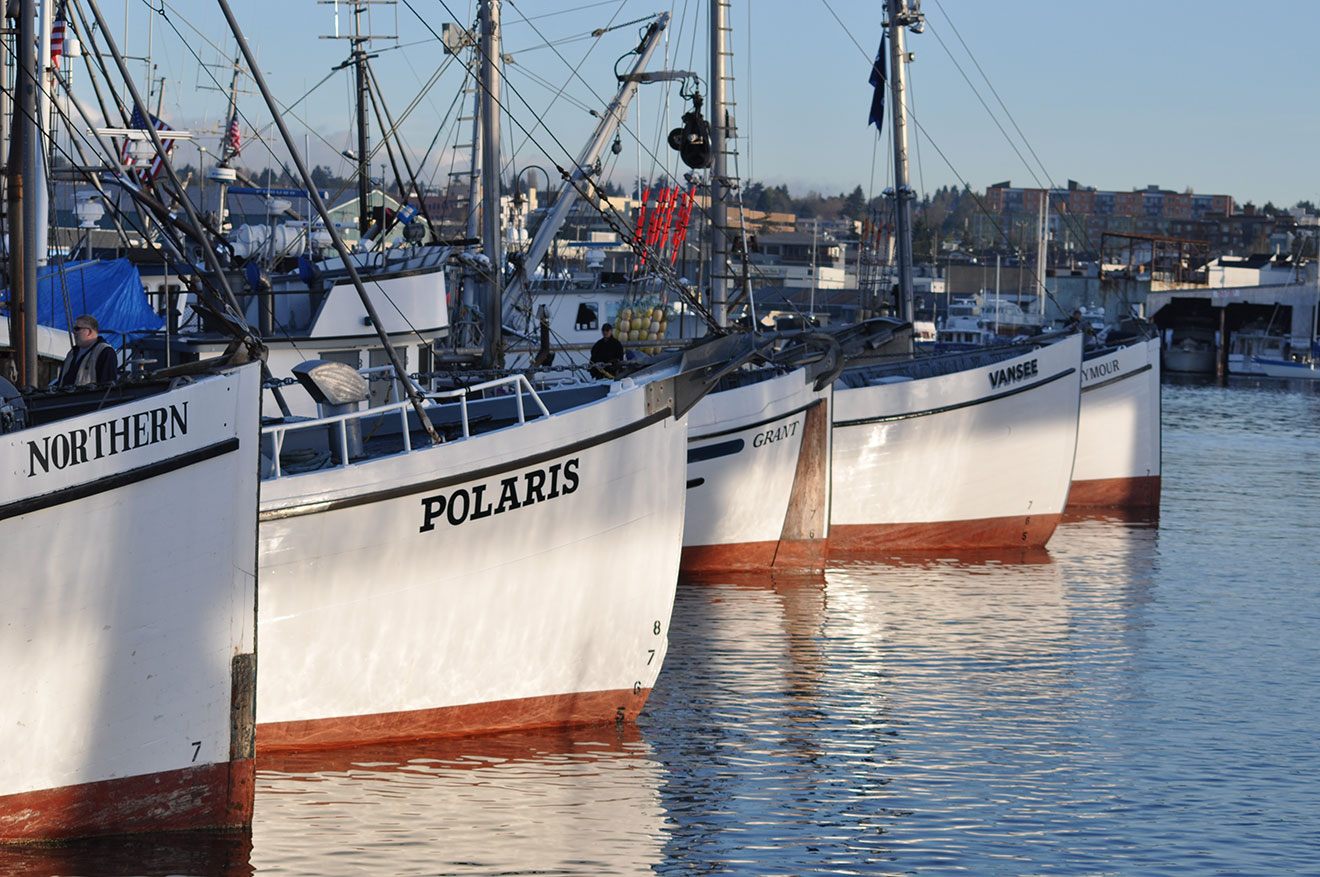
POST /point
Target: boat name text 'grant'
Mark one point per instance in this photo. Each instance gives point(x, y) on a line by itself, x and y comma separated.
point(516, 491)
point(1013, 373)
point(64, 449)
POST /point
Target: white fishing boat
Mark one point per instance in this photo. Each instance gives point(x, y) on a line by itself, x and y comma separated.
point(128, 521)
point(758, 473)
point(517, 577)
point(1118, 435)
point(759, 445)
point(964, 450)
point(479, 559)
point(128, 529)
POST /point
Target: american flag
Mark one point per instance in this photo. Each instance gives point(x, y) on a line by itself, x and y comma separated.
point(235, 135)
point(148, 173)
point(57, 36)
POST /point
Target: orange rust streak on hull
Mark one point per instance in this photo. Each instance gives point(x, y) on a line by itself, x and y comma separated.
point(716, 558)
point(585, 708)
point(207, 796)
point(786, 554)
point(1140, 492)
point(1013, 532)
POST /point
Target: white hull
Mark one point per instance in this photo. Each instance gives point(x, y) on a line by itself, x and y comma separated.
point(758, 476)
point(1277, 368)
point(1118, 438)
point(429, 593)
point(978, 458)
point(129, 538)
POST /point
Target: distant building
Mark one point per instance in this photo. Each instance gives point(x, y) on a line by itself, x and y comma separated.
point(1080, 215)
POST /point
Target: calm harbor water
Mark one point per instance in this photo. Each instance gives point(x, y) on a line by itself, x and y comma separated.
point(1137, 699)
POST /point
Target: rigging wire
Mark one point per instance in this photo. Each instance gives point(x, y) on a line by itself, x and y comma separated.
point(1034, 274)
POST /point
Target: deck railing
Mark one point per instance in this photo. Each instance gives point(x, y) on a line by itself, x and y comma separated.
point(517, 386)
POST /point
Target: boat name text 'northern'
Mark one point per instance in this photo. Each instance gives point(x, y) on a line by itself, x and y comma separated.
point(64, 449)
point(516, 491)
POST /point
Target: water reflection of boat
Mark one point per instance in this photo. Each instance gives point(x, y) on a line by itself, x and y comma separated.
point(209, 853)
point(568, 801)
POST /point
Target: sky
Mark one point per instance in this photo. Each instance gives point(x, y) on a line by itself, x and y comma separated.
point(1212, 96)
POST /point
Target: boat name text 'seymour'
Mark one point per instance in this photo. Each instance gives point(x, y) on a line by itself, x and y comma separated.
point(64, 449)
point(1001, 377)
point(1100, 370)
point(516, 491)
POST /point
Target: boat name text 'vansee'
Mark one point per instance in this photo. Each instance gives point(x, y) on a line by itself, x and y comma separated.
point(516, 491)
point(1013, 373)
point(64, 449)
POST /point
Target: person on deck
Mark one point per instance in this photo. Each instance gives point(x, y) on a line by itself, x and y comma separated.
point(92, 360)
point(606, 354)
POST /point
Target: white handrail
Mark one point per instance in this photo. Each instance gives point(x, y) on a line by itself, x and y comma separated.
point(339, 422)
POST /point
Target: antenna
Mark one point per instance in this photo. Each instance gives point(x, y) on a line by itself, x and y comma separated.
point(359, 39)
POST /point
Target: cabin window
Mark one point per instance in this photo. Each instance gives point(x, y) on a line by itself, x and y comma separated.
point(588, 316)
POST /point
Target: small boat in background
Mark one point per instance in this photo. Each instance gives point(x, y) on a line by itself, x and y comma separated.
point(1191, 350)
point(1299, 369)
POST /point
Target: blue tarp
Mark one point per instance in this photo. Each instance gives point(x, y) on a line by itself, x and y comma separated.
point(111, 291)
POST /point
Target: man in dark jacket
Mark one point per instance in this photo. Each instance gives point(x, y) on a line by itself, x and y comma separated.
point(92, 360)
point(606, 354)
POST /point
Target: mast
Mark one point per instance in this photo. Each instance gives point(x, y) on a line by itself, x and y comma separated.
point(901, 17)
point(40, 191)
point(23, 146)
point(492, 348)
point(719, 176)
point(414, 394)
point(1042, 251)
point(473, 229)
point(360, 71)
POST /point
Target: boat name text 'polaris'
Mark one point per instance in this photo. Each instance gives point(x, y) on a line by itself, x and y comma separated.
point(516, 491)
point(64, 449)
point(1013, 373)
point(1100, 370)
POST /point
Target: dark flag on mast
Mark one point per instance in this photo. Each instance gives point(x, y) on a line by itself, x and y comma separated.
point(878, 81)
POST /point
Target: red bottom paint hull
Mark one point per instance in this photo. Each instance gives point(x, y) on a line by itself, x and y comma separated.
point(585, 708)
point(1031, 531)
point(786, 554)
point(1142, 492)
point(210, 796)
